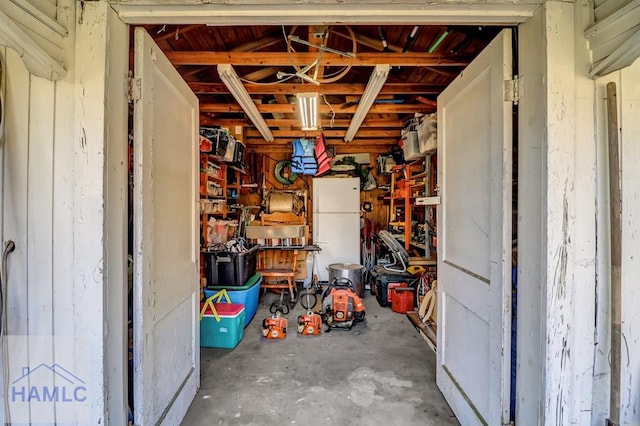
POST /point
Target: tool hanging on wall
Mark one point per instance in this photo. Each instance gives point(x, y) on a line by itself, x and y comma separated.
point(283, 172)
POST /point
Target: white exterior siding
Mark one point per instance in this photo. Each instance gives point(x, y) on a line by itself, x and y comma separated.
point(63, 202)
point(52, 204)
point(629, 83)
point(628, 93)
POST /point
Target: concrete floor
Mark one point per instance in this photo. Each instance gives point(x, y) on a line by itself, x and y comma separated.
point(380, 373)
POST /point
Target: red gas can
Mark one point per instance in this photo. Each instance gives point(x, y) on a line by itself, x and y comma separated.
point(402, 299)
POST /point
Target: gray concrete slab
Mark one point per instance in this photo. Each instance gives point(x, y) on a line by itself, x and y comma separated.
point(380, 373)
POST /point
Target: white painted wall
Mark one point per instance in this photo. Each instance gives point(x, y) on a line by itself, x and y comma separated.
point(556, 279)
point(628, 87)
point(52, 204)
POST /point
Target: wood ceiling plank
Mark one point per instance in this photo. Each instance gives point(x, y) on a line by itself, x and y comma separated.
point(362, 133)
point(370, 42)
point(261, 74)
point(339, 149)
point(329, 141)
point(295, 123)
point(324, 109)
point(187, 73)
point(224, 122)
point(254, 45)
point(282, 100)
point(328, 59)
point(170, 34)
point(426, 101)
point(327, 89)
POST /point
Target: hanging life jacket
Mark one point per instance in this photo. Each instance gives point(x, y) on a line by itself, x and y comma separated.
point(322, 156)
point(303, 160)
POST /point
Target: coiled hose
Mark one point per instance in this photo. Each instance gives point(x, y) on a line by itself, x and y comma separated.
point(279, 173)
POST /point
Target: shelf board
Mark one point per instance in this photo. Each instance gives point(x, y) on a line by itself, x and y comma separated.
point(240, 169)
point(421, 246)
point(210, 176)
point(427, 331)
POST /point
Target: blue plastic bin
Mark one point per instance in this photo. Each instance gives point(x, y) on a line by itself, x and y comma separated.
point(246, 295)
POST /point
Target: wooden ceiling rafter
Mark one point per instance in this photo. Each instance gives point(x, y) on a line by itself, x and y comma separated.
point(259, 52)
point(339, 149)
point(327, 89)
point(407, 59)
point(390, 123)
point(323, 108)
point(362, 133)
point(329, 141)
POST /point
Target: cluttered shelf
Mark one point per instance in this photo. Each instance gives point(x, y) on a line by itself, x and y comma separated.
point(212, 176)
point(415, 244)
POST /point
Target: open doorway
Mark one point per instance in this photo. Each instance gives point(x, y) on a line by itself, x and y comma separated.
point(178, 33)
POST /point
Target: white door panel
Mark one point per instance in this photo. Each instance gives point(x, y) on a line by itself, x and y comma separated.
point(464, 287)
point(166, 284)
point(474, 250)
point(467, 223)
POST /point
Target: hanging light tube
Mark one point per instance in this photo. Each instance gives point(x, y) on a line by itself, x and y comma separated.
point(233, 83)
point(376, 81)
point(308, 108)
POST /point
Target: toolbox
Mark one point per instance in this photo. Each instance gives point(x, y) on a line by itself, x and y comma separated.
point(383, 281)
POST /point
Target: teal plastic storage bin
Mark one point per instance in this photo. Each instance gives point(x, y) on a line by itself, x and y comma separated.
point(246, 295)
point(227, 332)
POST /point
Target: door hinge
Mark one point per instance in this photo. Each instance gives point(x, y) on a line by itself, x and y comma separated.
point(134, 89)
point(513, 89)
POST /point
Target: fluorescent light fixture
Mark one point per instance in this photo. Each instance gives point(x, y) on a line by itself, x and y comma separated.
point(233, 83)
point(308, 108)
point(376, 81)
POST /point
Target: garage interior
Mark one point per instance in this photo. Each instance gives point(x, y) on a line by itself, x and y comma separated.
point(382, 370)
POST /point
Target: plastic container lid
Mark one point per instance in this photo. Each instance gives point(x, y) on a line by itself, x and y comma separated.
point(225, 309)
point(348, 266)
point(255, 279)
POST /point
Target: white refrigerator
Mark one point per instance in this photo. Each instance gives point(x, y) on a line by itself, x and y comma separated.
point(336, 221)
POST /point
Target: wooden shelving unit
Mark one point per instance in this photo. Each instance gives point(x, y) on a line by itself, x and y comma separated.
point(213, 190)
point(408, 182)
